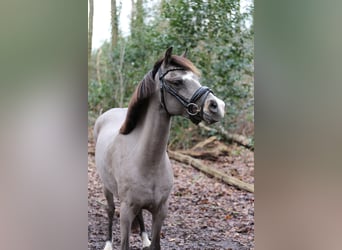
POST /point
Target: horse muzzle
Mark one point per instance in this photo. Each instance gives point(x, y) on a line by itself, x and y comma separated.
point(210, 110)
point(213, 109)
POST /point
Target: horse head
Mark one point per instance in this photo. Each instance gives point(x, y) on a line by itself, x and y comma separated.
point(181, 92)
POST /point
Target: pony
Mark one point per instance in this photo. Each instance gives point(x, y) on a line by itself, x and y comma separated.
point(131, 144)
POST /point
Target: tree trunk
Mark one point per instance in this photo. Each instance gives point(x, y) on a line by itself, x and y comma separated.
point(121, 77)
point(133, 10)
point(139, 13)
point(90, 34)
point(114, 39)
point(98, 70)
point(137, 16)
point(114, 24)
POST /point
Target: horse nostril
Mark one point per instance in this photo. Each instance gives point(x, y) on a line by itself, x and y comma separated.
point(213, 106)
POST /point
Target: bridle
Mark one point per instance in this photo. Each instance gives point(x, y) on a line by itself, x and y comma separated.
point(195, 111)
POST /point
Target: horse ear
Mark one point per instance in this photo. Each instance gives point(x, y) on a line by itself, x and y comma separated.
point(185, 53)
point(167, 57)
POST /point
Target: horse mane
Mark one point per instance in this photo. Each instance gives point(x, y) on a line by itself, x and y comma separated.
point(146, 88)
point(138, 103)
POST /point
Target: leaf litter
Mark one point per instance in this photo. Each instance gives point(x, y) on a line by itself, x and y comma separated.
point(204, 213)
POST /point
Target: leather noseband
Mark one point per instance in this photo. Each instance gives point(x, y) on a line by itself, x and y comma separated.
point(195, 111)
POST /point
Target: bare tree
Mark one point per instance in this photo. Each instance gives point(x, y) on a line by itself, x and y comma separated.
point(98, 70)
point(114, 24)
point(133, 10)
point(137, 16)
point(119, 72)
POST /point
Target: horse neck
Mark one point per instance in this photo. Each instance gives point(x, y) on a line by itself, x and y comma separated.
point(155, 131)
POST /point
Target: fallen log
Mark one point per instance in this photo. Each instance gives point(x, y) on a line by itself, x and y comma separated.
point(210, 171)
point(204, 143)
point(239, 139)
point(209, 149)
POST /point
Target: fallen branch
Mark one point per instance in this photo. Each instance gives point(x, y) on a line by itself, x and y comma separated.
point(210, 149)
point(210, 171)
point(204, 143)
point(240, 139)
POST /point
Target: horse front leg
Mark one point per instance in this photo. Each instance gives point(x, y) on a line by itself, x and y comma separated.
point(143, 234)
point(127, 214)
point(157, 222)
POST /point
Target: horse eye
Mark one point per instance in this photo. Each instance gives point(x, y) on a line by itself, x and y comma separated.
point(178, 82)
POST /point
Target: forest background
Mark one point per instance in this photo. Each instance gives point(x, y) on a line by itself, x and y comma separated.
point(219, 36)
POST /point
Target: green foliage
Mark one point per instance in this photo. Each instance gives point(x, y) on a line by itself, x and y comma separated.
point(101, 90)
point(223, 47)
point(220, 45)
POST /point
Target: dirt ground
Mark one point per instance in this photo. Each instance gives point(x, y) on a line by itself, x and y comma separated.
point(204, 213)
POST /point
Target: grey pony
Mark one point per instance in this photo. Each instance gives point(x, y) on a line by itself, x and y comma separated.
point(131, 145)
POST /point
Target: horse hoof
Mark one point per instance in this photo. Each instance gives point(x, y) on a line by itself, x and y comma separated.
point(108, 246)
point(146, 241)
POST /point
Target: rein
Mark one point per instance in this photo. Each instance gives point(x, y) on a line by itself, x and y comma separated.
point(195, 111)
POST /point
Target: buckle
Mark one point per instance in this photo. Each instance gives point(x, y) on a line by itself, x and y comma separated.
point(192, 109)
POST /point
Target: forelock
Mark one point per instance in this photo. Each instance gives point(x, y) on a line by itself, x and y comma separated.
point(185, 63)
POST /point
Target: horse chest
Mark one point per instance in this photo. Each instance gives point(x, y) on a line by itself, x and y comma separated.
point(152, 195)
point(144, 189)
